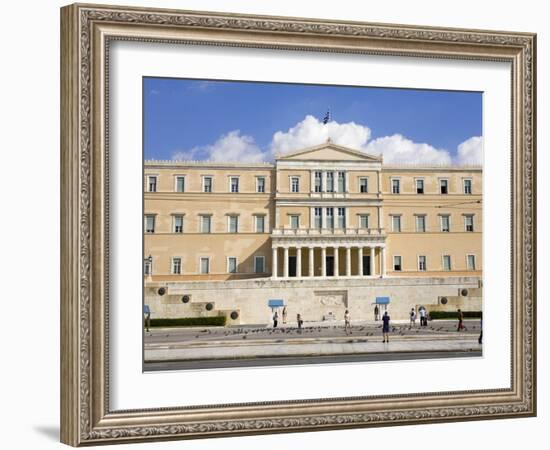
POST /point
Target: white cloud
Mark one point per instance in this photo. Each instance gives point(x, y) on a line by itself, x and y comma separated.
point(310, 132)
point(230, 147)
point(470, 152)
point(397, 149)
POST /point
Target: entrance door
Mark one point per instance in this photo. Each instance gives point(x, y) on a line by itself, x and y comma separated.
point(366, 265)
point(292, 266)
point(330, 266)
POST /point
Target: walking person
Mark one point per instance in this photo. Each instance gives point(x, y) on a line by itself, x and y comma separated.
point(413, 317)
point(460, 321)
point(300, 322)
point(284, 315)
point(376, 313)
point(423, 321)
point(347, 322)
point(275, 319)
point(385, 327)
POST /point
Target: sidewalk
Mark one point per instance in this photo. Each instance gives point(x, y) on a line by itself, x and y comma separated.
point(263, 348)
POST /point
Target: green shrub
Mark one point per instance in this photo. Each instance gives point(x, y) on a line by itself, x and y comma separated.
point(454, 314)
point(216, 321)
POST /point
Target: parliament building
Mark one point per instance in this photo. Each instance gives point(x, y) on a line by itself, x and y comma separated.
point(320, 230)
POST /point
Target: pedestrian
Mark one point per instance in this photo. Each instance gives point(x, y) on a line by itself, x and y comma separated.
point(376, 313)
point(423, 321)
point(147, 317)
point(460, 321)
point(480, 339)
point(385, 327)
point(284, 315)
point(413, 317)
point(300, 322)
point(275, 319)
point(347, 323)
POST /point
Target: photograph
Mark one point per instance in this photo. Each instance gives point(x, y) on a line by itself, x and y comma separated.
point(291, 224)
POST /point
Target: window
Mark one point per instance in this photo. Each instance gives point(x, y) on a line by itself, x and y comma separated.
point(178, 224)
point(443, 186)
point(205, 223)
point(233, 224)
point(260, 224)
point(207, 184)
point(446, 262)
point(341, 217)
point(231, 264)
point(419, 185)
point(234, 184)
point(397, 263)
point(180, 184)
point(318, 217)
point(176, 266)
point(471, 262)
point(396, 224)
point(341, 181)
point(259, 264)
point(149, 224)
point(148, 267)
point(445, 223)
point(363, 185)
point(294, 222)
point(294, 184)
point(421, 224)
point(260, 184)
point(330, 217)
point(330, 181)
point(318, 182)
point(469, 222)
point(364, 221)
point(205, 266)
point(152, 183)
point(395, 186)
point(422, 263)
point(467, 186)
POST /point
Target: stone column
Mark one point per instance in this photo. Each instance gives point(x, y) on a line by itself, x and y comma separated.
point(360, 260)
point(312, 181)
point(323, 181)
point(311, 261)
point(372, 256)
point(298, 262)
point(348, 261)
point(336, 262)
point(285, 263)
point(274, 262)
point(324, 261)
point(383, 262)
point(323, 216)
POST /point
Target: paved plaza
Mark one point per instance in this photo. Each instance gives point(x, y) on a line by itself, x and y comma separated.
point(201, 347)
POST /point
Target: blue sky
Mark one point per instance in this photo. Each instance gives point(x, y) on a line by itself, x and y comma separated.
point(198, 119)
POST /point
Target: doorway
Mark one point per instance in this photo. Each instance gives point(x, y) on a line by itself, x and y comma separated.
point(366, 265)
point(330, 266)
point(292, 266)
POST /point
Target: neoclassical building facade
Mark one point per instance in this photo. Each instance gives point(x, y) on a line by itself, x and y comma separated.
point(326, 216)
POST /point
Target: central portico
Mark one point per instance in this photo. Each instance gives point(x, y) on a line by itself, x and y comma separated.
point(323, 226)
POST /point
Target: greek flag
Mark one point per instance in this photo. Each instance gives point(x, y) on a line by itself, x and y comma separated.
point(326, 119)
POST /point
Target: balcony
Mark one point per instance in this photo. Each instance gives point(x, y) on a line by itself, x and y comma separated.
point(303, 232)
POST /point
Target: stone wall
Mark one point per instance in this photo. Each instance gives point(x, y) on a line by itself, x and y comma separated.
point(313, 299)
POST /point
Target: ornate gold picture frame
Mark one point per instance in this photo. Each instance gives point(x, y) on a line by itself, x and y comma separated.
point(87, 31)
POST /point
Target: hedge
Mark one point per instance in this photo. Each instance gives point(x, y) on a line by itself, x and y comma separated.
point(190, 322)
point(454, 314)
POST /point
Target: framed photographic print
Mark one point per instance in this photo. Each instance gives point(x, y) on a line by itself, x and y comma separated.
point(280, 224)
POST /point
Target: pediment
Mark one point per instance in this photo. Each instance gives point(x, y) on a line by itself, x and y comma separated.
point(328, 152)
